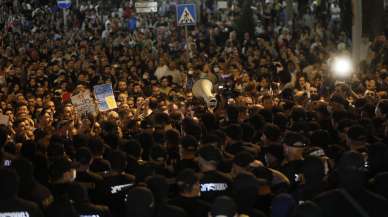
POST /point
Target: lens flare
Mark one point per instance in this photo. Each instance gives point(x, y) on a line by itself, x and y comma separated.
point(342, 66)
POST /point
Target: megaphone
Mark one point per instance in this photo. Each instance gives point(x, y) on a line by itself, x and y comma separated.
point(203, 89)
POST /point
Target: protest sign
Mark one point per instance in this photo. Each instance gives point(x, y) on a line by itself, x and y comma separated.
point(83, 103)
point(105, 98)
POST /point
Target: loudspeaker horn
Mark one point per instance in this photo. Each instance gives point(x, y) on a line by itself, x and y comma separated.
point(203, 89)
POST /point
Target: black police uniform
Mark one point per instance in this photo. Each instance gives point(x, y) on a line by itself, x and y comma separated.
point(100, 165)
point(62, 205)
point(335, 204)
point(186, 164)
point(89, 209)
point(214, 184)
point(133, 165)
point(292, 170)
point(114, 187)
point(39, 194)
point(164, 209)
point(246, 187)
point(194, 207)
point(90, 181)
point(17, 207)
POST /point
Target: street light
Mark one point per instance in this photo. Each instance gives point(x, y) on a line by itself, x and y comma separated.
point(342, 67)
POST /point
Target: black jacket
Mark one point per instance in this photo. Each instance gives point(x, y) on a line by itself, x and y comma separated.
point(215, 184)
point(62, 205)
point(16, 206)
point(194, 207)
point(335, 204)
point(89, 209)
point(163, 209)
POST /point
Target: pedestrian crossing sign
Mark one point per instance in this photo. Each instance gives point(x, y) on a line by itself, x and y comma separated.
point(186, 14)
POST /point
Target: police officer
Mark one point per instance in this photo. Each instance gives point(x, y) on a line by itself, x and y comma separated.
point(82, 204)
point(294, 145)
point(62, 174)
point(116, 183)
point(85, 177)
point(189, 194)
point(213, 182)
point(10, 204)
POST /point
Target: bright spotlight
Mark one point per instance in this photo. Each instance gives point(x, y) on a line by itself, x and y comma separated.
point(342, 66)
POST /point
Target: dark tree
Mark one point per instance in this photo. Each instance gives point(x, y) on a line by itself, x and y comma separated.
point(346, 15)
point(372, 18)
point(245, 22)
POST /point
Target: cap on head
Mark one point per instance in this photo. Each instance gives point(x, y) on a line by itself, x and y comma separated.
point(272, 131)
point(357, 133)
point(295, 140)
point(189, 143)
point(243, 159)
point(224, 206)
point(210, 154)
point(140, 202)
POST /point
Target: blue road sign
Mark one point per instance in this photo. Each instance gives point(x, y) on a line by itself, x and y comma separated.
point(64, 4)
point(186, 14)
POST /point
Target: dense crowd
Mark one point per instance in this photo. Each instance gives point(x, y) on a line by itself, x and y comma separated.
point(287, 137)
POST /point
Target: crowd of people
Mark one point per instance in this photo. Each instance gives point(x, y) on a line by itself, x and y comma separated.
point(286, 139)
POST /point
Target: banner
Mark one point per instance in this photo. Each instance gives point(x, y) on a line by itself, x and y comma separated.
point(83, 103)
point(222, 5)
point(146, 7)
point(105, 98)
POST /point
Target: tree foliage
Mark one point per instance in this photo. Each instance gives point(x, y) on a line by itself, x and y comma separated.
point(245, 22)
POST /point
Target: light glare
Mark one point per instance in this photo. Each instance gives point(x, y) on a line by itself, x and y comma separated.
point(342, 66)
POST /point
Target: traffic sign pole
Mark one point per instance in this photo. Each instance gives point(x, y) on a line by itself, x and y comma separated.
point(187, 43)
point(64, 5)
point(65, 19)
point(186, 16)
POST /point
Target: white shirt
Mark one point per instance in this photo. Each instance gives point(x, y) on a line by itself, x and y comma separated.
point(335, 12)
point(161, 71)
point(105, 34)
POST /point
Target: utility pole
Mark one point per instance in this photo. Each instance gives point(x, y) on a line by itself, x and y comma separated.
point(356, 33)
